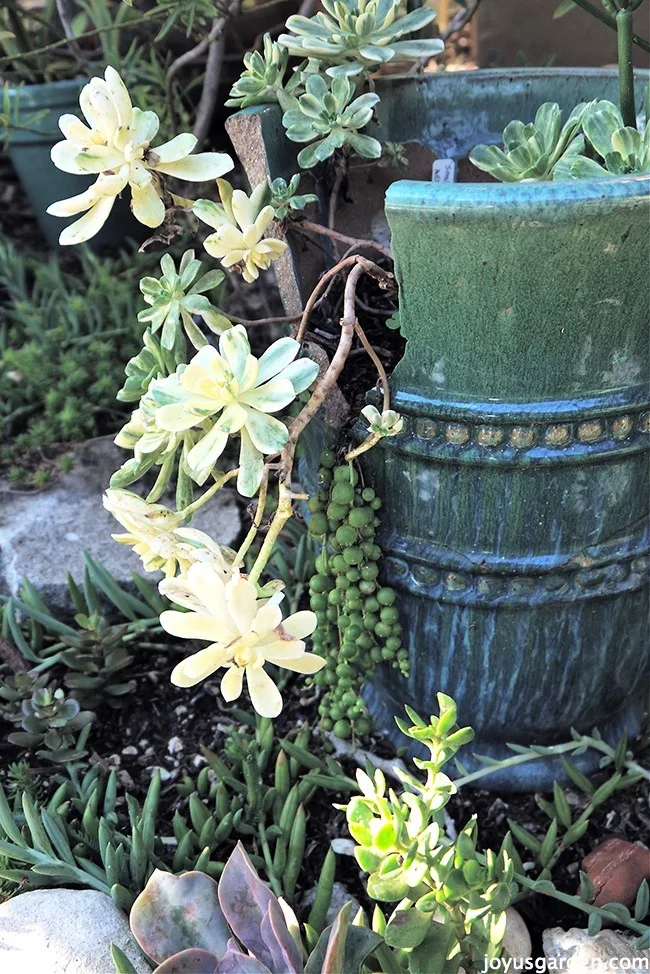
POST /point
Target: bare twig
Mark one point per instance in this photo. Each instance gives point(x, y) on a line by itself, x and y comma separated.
point(311, 301)
point(188, 57)
point(249, 322)
point(383, 378)
point(311, 227)
point(325, 384)
point(210, 88)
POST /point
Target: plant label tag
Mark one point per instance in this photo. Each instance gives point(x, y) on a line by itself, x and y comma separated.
point(444, 171)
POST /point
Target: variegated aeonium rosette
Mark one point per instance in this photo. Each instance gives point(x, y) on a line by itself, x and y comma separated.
point(186, 412)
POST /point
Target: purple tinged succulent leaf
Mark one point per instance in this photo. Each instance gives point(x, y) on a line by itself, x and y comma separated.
point(234, 962)
point(192, 961)
point(176, 913)
point(342, 947)
point(275, 933)
point(244, 900)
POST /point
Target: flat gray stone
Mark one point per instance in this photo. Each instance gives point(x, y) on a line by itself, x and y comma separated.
point(575, 951)
point(43, 535)
point(64, 931)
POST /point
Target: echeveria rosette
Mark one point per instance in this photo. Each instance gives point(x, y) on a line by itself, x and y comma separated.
point(285, 199)
point(116, 146)
point(150, 444)
point(387, 423)
point(152, 362)
point(623, 151)
point(359, 35)
point(263, 76)
point(242, 391)
point(240, 222)
point(531, 151)
point(178, 295)
point(244, 632)
point(329, 114)
point(156, 534)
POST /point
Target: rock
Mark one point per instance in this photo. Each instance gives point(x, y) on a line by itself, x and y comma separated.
point(516, 943)
point(43, 535)
point(64, 931)
point(575, 952)
point(617, 869)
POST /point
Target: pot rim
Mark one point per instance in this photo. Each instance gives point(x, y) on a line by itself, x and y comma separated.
point(415, 194)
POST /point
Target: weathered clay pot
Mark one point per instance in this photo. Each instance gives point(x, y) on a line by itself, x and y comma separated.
point(515, 516)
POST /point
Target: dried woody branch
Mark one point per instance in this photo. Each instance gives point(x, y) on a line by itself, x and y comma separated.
point(359, 266)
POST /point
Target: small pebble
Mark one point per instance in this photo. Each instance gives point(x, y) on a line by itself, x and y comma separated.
point(343, 847)
point(174, 745)
point(198, 760)
point(180, 710)
point(165, 775)
point(129, 751)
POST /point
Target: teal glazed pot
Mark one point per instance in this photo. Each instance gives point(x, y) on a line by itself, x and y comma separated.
point(515, 518)
point(29, 151)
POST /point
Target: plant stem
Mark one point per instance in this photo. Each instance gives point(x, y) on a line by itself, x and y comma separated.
point(577, 903)
point(605, 18)
point(323, 231)
point(64, 42)
point(515, 760)
point(209, 493)
point(624, 36)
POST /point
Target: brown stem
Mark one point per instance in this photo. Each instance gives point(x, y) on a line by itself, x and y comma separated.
point(378, 272)
point(210, 88)
point(378, 365)
point(309, 225)
point(284, 510)
point(249, 322)
point(188, 57)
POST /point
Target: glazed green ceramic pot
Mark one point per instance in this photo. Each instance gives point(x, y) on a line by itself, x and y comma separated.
point(39, 108)
point(515, 519)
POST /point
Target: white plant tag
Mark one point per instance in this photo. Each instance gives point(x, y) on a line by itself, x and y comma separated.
point(444, 171)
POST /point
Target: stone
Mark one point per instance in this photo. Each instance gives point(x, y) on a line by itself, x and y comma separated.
point(516, 942)
point(43, 535)
point(617, 868)
point(64, 931)
point(574, 951)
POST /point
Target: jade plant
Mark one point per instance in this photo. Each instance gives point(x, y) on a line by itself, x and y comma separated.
point(451, 899)
point(190, 922)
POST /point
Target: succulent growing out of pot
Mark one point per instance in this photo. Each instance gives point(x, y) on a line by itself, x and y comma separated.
point(329, 114)
point(242, 391)
point(263, 77)
point(623, 150)
point(284, 197)
point(244, 631)
point(359, 35)
point(178, 295)
point(451, 900)
point(116, 147)
point(51, 721)
point(238, 926)
point(531, 151)
point(240, 222)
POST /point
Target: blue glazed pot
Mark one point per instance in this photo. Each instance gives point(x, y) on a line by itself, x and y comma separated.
point(515, 518)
